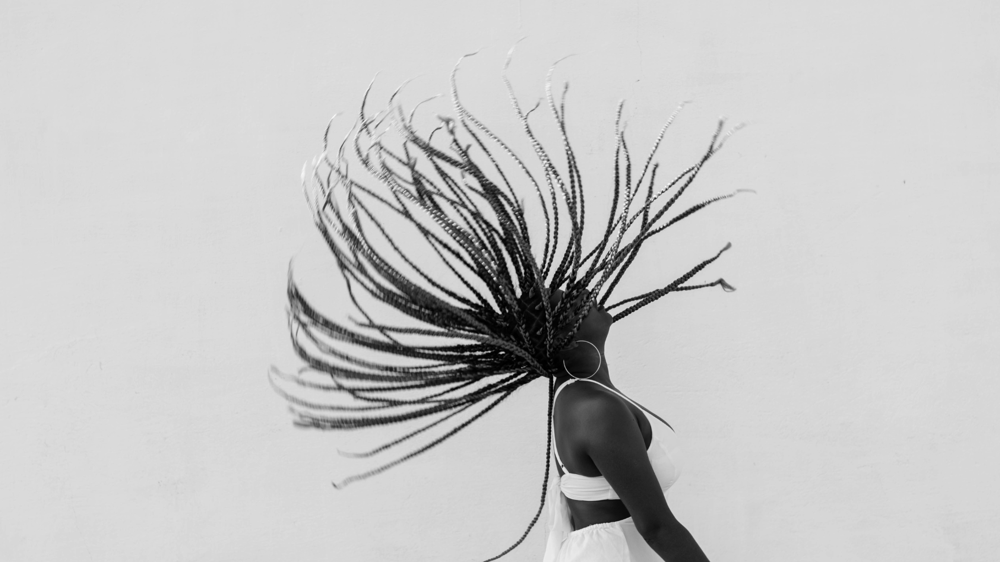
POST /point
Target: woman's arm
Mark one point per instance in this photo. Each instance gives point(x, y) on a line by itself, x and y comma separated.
point(615, 444)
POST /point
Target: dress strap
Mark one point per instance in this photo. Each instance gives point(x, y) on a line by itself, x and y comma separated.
point(555, 449)
point(638, 405)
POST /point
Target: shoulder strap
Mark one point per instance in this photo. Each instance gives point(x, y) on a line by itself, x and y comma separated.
point(555, 449)
point(638, 405)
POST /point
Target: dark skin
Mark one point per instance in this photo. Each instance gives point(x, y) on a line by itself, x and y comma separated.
point(598, 433)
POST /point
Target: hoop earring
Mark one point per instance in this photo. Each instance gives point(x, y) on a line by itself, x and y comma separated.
point(600, 362)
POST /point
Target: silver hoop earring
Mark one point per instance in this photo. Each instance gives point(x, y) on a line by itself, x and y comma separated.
point(599, 358)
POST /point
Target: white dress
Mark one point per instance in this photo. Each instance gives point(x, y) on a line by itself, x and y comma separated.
point(618, 541)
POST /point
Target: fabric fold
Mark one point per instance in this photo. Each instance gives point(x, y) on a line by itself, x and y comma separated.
point(560, 525)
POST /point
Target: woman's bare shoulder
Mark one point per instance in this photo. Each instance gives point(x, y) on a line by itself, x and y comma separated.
point(590, 406)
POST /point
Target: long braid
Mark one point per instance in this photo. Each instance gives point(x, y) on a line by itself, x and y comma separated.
point(545, 477)
point(463, 347)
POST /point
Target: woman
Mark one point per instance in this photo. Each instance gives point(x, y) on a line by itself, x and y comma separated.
point(615, 465)
point(488, 321)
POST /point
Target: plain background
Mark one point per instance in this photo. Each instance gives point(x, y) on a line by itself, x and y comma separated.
point(841, 405)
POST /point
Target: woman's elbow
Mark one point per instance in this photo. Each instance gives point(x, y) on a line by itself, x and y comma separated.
point(660, 533)
point(672, 541)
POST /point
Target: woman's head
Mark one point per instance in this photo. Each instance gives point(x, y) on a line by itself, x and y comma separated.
point(555, 323)
point(594, 326)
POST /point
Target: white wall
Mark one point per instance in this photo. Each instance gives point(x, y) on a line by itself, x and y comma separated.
point(839, 406)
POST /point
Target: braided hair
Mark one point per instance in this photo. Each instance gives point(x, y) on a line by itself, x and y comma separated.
point(495, 327)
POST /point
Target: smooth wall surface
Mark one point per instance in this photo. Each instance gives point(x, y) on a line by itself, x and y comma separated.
point(841, 405)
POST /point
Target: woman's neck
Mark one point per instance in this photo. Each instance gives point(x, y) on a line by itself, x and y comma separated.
point(603, 375)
